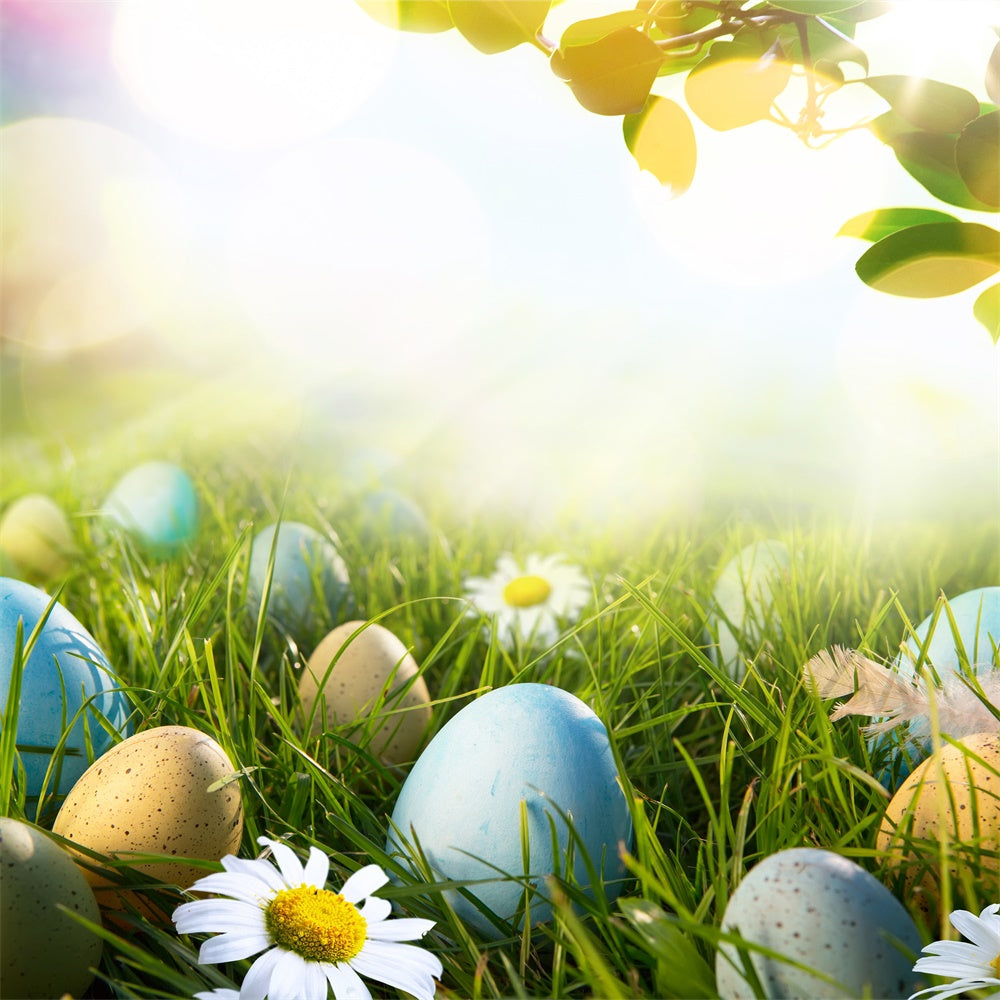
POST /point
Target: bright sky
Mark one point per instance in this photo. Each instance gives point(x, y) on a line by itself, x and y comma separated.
point(402, 215)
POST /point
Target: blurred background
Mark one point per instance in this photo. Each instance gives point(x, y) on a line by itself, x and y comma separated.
point(292, 228)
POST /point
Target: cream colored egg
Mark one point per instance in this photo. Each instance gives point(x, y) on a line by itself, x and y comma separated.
point(35, 535)
point(162, 791)
point(953, 800)
point(44, 952)
point(355, 675)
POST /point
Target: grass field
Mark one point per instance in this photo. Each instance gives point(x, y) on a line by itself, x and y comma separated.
point(719, 772)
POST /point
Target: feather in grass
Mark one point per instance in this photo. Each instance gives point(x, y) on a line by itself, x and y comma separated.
point(961, 706)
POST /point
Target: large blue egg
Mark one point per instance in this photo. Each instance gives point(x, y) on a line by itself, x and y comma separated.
point(976, 631)
point(157, 505)
point(65, 670)
point(462, 801)
point(308, 573)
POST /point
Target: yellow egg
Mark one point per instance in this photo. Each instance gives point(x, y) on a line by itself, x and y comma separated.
point(44, 952)
point(951, 802)
point(373, 672)
point(160, 792)
point(35, 535)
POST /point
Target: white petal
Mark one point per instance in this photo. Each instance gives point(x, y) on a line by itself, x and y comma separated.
point(977, 931)
point(260, 871)
point(235, 886)
point(219, 993)
point(210, 916)
point(396, 972)
point(291, 868)
point(413, 957)
point(317, 869)
point(345, 982)
point(232, 947)
point(508, 568)
point(952, 990)
point(375, 910)
point(406, 929)
point(257, 981)
point(292, 980)
point(363, 883)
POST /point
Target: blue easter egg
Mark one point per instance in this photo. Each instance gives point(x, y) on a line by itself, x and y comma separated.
point(65, 670)
point(156, 504)
point(390, 514)
point(462, 801)
point(977, 633)
point(308, 571)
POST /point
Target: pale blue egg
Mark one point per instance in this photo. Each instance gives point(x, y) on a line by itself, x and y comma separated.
point(462, 801)
point(309, 583)
point(976, 632)
point(65, 670)
point(389, 514)
point(157, 505)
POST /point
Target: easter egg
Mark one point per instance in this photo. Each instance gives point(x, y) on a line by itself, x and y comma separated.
point(308, 575)
point(36, 538)
point(44, 952)
point(951, 801)
point(156, 504)
point(742, 601)
point(163, 791)
point(369, 673)
point(67, 689)
point(525, 749)
point(825, 912)
point(388, 514)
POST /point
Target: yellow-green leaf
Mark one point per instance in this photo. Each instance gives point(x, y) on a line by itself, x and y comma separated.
point(612, 75)
point(662, 141)
point(729, 89)
point(993, 75)
point(594, 28)
point(926, 261)
point(883, 221)
point(987, 310)
point(409, 15)
point(977, 156)
point(927, 104)
point(497, 25)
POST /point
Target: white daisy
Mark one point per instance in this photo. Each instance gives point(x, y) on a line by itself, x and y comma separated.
point(310, 936)
point(528, 603)
point(973, 966)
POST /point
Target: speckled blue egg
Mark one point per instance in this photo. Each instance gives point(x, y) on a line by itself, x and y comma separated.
point(462, 801)
point(827, 913)
point(157, 505)
point(309, 583)
point(977, 632)
point(65, 669)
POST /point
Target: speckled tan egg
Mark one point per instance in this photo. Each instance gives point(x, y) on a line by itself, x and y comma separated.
point(963, 809)
point(161, 792)
point(44, 952)
point(354, 675)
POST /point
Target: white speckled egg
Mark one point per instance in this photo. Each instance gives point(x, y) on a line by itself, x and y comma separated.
point(308, 571)
point(44, 952)
point(36, 537)
point(354, 675)
point(525, 746)
point(64, 671)
point(825, 912)
point(156, 503)
point(157, 792)
point(742, 600)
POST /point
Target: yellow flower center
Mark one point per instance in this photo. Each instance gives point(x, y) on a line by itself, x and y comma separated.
point(319, 925)
point(996, 966)
point(525, 591)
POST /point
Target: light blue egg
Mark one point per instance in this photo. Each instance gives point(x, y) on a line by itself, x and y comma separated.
point(65, 669)
point(156, 504)
point(977, 632)
point(461, 802)
point(308, 574)
point(388, 514)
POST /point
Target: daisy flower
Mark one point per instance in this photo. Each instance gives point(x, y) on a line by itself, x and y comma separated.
point(528, 603)
point(311, 936)
point(973, 966)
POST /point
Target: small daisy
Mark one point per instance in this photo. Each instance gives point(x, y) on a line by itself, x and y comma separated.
point(973, 966)
point(528, 603)
point(310, 935)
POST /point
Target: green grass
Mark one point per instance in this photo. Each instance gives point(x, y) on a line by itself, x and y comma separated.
point(720, 773)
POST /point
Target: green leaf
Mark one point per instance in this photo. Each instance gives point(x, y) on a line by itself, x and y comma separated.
point(926, 261)
point(927, 104)
point(662, 141)
point(977, 156)
point(826, 44)
point(612, 75)
point(816, 8)
point(881, 222)
point(993, 75)
point(409, 15)
point(678, 17)
point(735, 85)
point(497, 25)
point(596, 28)
point(987, 310)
